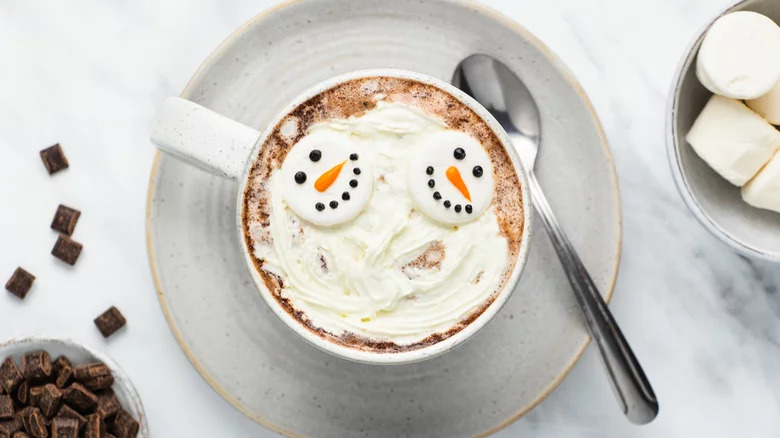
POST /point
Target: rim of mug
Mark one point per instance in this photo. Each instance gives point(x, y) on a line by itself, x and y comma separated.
point(429, 351)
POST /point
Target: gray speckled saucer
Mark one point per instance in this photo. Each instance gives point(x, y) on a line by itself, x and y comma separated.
point(272, 375)
point(81, 354)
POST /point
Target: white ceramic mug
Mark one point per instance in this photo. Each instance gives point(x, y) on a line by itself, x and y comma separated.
point(225, 147)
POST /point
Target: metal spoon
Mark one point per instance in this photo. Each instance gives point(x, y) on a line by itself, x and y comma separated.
point(499, 90)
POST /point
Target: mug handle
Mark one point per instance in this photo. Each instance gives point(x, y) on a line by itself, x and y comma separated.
point(203, 138)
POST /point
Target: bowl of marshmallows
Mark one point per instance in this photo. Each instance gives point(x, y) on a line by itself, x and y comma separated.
point(722, 128)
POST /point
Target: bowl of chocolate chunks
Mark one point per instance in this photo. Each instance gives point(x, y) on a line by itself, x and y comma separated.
point(59, 388)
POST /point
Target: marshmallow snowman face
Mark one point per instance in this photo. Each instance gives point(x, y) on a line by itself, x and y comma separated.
point(451, 179)
point(324, 180)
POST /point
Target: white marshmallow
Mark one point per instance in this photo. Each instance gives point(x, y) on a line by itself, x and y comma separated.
point(768, 105)
point(451, 206)
point(763, 191)
point(740, 56)
point(732, 139)
point(303, 198)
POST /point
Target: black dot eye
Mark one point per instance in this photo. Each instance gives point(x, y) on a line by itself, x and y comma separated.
point(319, 206)
point(300, 177)
point(477, 171)
point(353, 157)
point(436, 195)
point(459, 153)
point(457, 208)
point(315, 155)
point(356, 171)
point(469, 209)
point(334, 204)
point(353, 183)
point(431, 183)
point(345, 196)
point(429, 170)
point(447, 204)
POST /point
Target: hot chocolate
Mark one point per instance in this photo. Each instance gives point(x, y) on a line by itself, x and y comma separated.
point(383, 214)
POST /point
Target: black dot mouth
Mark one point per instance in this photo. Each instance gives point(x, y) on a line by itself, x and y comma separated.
point(468, 208)
point(345, 196)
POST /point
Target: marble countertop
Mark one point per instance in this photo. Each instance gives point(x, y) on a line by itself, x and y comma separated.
point(704, 321)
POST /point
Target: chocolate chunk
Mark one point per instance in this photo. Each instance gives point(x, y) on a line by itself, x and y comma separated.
point(36, 366)
point(61, 363)
point(63, 376)
point(108, 404)
point(54, 159)
point(94, 376)
point(110, 321)
point(66, 249)
point(20, 283)
point(124, 425)
point(65, 428)
point(33, 422)
point(36, 392)
point(6, 407)
point(95, 427)
point(65, 219)
point(47, 398)
point(23, 393)
point(9, 427)
point(10, 376)
point(79, 397)
point(68, 412)
point(99, 382)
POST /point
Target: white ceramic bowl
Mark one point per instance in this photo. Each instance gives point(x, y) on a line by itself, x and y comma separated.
point(716, 203)
point(81, 354)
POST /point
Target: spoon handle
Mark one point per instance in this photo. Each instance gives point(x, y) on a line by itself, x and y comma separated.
point(629, 382)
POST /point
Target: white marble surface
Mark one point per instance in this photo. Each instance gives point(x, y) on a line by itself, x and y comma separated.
point(88, 74)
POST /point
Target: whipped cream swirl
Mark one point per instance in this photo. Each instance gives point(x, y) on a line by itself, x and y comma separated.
point(391, 273)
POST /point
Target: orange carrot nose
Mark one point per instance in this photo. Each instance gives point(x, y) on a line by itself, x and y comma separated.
point(328, 178)
point(454, 176)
